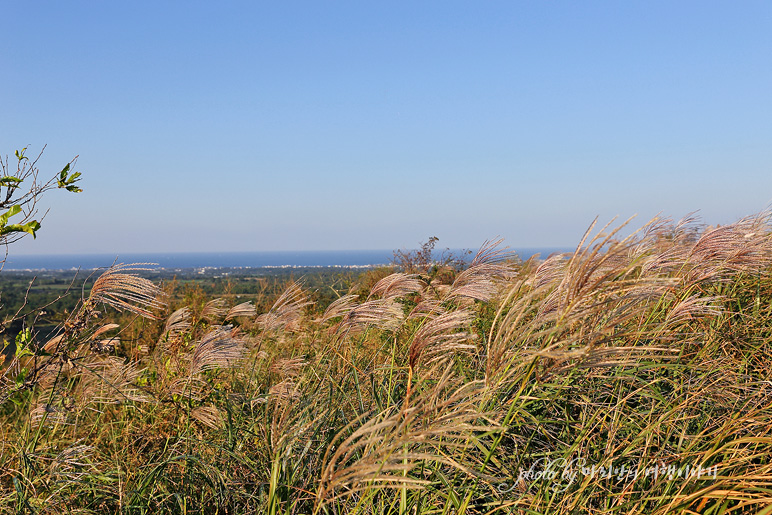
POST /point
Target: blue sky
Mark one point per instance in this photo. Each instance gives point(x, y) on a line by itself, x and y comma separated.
point(241, 126)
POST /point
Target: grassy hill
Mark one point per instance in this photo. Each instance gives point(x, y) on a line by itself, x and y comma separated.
point(632, 376)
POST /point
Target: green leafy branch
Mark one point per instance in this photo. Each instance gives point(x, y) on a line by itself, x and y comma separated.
point(66, 181)
point(29, 227)
point(22, 191)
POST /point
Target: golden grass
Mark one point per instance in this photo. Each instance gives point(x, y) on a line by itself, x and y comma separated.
point(435, 391)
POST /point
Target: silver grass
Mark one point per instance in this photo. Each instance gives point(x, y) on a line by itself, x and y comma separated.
point(549, 271)
point(214, 310)
point(474, 286)
point(588, 309)
point(426, 308)
point(288, 367)
point(693, 307)
point(50, 404)
point(439, 288)
point(660, 237)
point(441, 336)
point(593, 274)
point(217, 349)
point(744, 246)
point(74, 455)
point(711, 256)
point(188, 387)
point(612, 357)
point(291, 433)
point(383, 450)
point(685, 232)
point(491, 251)
point(667, 259)
point(178, 322)
point(104, 329)
point(381, 313)
point(582, 330)
point(110, 380)
point(284, 391)
point(120, 288)
point(48, 414)
point(210, 416)
point(482, 279)
point(245, 309)
point(53, 344)
point(339, 307)
point(70, 463)
point(568, 308)
point(287, 311)
point(595, 264)
point(664, 247)
point(397, 285)
point(68, 354)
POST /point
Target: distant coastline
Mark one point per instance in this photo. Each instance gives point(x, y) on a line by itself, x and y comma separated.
point(273, 259)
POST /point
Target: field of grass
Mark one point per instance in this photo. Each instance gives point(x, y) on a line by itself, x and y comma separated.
point(632, 376)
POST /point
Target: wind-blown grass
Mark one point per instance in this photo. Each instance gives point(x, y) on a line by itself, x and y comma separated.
point(630, 376)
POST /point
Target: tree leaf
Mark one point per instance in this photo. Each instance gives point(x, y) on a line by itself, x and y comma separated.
point(13, 210)
point(10, 180)
point(30, 227)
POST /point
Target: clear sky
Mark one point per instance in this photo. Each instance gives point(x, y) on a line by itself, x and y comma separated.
point(241, 126)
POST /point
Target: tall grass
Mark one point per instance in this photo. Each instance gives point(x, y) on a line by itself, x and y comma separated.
point(630, 376)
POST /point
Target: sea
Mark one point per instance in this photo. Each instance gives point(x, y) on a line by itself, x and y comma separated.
point(276, 259)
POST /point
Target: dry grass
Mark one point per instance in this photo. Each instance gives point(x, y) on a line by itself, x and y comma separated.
point(436, 391)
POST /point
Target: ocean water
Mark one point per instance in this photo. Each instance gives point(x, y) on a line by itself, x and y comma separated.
point(343, 258)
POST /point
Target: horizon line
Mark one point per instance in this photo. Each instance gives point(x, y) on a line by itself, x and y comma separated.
point(309, 251)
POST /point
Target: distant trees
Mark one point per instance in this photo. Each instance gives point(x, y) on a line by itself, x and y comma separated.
point(424, 259)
